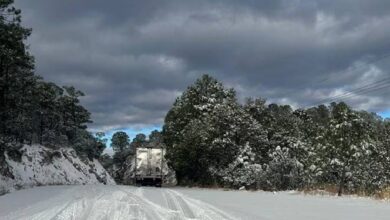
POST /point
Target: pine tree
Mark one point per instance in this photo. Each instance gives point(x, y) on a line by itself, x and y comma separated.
point(348, 142)
point(285, 170)
point(189, 130)
point(243, 171)
point(205, 130)
point(32, 110)
point(138, 141)
point(16, 74)
point(120, 141)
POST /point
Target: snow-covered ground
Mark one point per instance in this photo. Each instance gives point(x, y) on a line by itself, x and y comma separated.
point(39, 165)
point(126, 202)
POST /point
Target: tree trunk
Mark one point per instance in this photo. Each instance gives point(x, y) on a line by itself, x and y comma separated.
point(341, 183)
point(40, 128)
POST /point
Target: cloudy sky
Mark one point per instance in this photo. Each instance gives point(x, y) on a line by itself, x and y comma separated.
point(132, 58)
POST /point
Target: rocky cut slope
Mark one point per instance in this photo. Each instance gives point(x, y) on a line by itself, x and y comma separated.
point(36, 165)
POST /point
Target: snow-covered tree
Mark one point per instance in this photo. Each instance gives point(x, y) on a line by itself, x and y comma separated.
point(243, 171)
point(206, 128)
point(208, 134)
point(32, 110)
point(348, 143)
point(285, 170)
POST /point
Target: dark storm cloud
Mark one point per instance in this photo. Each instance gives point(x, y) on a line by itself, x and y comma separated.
point(133, 58)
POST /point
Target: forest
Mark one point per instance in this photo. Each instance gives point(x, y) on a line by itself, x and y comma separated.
point(212, 139)
point(32, 110)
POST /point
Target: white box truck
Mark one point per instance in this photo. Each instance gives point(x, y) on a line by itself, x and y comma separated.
point(149, 166)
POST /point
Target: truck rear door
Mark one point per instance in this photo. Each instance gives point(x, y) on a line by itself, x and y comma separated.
point(156, 159)
point(142, 161)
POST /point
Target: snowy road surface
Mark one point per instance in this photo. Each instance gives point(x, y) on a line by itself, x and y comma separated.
point(126, 202)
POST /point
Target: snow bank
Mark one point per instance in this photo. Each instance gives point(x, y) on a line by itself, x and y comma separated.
point(39, 165)
point(290, 205)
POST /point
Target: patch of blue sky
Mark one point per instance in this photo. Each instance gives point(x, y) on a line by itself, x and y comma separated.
point(385, 114)
point(132, 132)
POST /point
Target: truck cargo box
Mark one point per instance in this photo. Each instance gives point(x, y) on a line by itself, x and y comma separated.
point(149, 166)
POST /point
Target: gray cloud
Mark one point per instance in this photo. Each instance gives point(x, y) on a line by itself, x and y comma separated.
point(133, 58)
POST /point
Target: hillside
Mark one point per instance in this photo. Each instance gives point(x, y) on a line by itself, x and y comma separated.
point(37, 165)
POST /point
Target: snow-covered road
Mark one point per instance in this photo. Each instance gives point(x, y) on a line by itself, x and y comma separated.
point(104, 202)
point(126, 202)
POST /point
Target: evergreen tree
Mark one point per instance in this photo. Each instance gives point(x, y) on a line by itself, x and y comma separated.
point(205, 130)
point(107, 162)
point(16, 74)
point(210, 137)
point(243, 171)
point(119, 141)
point(75, 116)
point(156, 137)
point(138, 141)
point(348, 142)
point(32, 110)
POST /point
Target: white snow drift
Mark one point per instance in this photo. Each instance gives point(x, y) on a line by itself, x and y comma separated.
point(39, 165)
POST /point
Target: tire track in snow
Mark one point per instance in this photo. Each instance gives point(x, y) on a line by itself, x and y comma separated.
point(169, 202)
point(81, 205)
point(202, 210)
point(36, 212)
point(49, 214)
point(135, 211)
point(116, 206)
point(80, 208)
point(70, 211)
point(180, 205)
point(148, 208)
point(173, 207)
point(119, 203)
